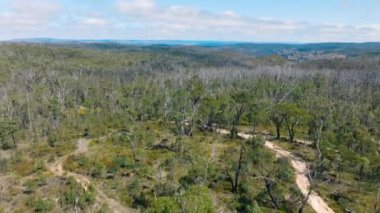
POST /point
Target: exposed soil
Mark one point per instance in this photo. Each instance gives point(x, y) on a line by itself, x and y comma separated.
point(57, 169)
point(301, 170)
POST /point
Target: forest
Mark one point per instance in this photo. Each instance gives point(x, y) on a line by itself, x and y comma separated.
point(159, 128)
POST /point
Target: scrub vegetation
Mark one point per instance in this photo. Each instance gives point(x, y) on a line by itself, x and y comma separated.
point(118, 128)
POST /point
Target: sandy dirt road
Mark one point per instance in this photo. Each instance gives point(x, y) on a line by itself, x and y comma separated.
point(301, 170)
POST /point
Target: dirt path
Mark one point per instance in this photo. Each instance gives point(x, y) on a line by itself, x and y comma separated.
point(57, 169)
point(300, 167)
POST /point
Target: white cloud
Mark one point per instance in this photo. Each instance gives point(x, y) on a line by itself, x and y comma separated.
point(145, 19)
point(194, 23)
point(91, 21)
point(35, 7)
point(135, 6)
point(29, 14)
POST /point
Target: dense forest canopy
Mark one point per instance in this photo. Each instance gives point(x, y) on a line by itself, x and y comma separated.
point(164, 104)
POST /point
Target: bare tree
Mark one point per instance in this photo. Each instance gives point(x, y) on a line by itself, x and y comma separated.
point(234, 180)
point(377, 199)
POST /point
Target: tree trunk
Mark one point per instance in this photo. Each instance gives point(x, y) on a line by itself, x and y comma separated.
point(317, 145)
point(237, 174)
point(195, 108)
point(183, 122)
point(29, 115)
point(377, 199)
point(318, 139)
point(291, 134)
point(304, 201)
point(268, 187)
point(254, 130)
point(14, 140)
point(133, 147)
point(278, 131)
point(233, 132)
point(235, 181)
point(291, 130)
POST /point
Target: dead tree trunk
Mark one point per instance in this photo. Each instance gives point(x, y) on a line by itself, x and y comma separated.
point(234, 181)
point(268, 187)
point(377, 199)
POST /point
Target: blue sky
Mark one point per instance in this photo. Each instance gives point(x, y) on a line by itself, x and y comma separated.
point(357, 11)
point(233, 20)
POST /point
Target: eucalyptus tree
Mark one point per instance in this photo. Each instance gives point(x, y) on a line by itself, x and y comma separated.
point(239, 100)
point(293, 116)
point(276, 116)
point(234, 168)
point(195, 92)
point(256, 114)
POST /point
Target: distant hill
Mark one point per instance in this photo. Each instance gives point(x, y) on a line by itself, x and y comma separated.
point(127, 42)
point(350, 49)
point(259, 49)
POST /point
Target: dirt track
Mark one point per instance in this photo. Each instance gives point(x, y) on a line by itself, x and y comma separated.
point(57, 169)
point(300, 167)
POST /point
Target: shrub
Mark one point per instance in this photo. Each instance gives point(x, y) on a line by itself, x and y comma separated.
point(53, 139)
point(197, 199)
point(4, 166)
point(40, 204)
point(376, 174)
point(74, 194)
point(135, 196)
point(121, 161)
point(23, 167)
point(165, 205)
point(30, 186)
point(83, 160)
point(44, 205)
point(194, 176)
point(165, 189)
point(39, 166)
point(286, 172)
point(6, 145)
point(98, 171)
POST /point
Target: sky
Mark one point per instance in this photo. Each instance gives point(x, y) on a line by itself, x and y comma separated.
point(208, 20)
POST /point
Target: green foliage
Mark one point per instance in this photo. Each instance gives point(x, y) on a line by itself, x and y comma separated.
point(4, 165)
point(53, 139)
point(375, 176)
point(44, 205)
point(76, 196)
point(165, 205)
point(256, 115)
point(293, 116)
point(7, 134)
point(257, 154)
point(197, 199)
point(41, 204)
point(53, 95)
point(99, 170)
point(285, 172)
point(120, 161)
point(276, 175)
point(134, 193)
point(31, 186)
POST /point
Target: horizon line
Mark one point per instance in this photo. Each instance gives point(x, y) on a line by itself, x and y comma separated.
point(30, 40)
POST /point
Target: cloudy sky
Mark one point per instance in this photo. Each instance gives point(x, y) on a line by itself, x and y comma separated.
point(217, 20)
